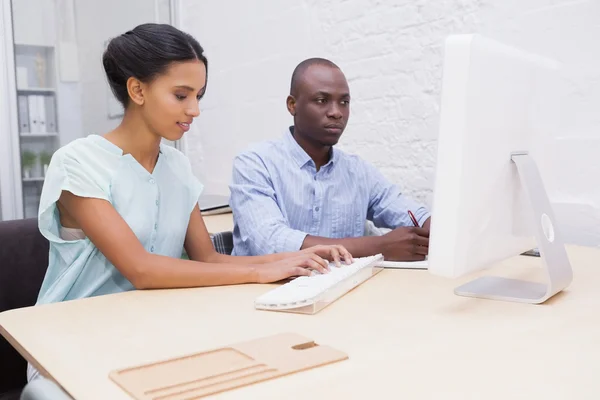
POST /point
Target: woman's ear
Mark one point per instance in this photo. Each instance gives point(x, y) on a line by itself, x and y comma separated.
point(135, 90)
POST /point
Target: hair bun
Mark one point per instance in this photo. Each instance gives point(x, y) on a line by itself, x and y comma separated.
point(146, 56)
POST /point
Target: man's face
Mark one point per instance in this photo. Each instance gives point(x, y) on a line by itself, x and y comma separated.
point(321, 105)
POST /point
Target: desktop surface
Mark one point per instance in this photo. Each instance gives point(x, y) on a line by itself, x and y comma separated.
point(405, 332)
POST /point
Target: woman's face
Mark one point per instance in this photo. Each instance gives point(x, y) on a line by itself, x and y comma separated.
point(171, 100)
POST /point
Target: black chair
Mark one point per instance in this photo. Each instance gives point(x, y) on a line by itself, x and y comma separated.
point(23, 263)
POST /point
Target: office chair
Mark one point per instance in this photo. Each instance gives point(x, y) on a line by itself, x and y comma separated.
point(23, 263)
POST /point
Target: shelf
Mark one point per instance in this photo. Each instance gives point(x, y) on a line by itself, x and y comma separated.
point(36, 90)
point(38, 135)
point(34, 45)
point(34, 179)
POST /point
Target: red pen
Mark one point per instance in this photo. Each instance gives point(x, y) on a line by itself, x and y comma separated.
point(414, 220)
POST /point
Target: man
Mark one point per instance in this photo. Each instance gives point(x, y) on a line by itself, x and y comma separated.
point(300, 191)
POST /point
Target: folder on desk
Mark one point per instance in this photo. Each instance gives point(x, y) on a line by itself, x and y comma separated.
point(215, 371)
point(211, 204)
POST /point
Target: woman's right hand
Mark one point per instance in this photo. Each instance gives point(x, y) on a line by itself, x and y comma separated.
point(301, 264)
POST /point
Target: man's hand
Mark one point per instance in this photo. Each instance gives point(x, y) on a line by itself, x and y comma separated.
point(335, 253)
point(405, 244)
point(427, 224)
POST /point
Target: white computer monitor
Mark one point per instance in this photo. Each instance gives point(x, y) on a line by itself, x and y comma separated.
point(489, 201)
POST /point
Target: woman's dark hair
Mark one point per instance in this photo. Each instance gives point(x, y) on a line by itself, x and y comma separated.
point(144, 53)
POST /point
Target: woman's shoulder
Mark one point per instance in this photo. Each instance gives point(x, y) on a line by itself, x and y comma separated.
point(84, 159)
point(91, 149)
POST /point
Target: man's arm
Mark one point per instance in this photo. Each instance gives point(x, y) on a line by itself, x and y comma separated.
point(358, 247)
point(401, 244)
point(262, 227)
point(388, 207)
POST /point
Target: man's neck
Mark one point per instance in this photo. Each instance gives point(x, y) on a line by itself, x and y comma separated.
point(318, 153)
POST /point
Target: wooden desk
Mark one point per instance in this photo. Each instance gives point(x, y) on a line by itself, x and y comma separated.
point(407, 335)
point(219, 223)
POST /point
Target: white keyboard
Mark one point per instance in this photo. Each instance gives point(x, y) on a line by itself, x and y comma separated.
point(309, 294)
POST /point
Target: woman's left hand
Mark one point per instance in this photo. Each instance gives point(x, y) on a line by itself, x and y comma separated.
point(335, 253)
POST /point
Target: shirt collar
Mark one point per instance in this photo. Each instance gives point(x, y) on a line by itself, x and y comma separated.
point(300, 156)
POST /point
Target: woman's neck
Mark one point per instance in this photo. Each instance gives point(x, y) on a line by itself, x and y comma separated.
point(134, 137)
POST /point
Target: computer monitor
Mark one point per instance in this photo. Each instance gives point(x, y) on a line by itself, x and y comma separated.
point(489, 201)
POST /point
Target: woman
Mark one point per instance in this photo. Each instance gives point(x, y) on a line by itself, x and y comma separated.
point(118, 209)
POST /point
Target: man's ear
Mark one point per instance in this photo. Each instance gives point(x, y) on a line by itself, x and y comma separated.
point(135, 90)
point(291, 105)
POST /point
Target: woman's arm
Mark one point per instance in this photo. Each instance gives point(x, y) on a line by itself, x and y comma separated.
point(199, 247)
point(103, 225)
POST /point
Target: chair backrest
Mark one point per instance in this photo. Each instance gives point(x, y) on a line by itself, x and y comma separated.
point(223, 242)
point(23, 264)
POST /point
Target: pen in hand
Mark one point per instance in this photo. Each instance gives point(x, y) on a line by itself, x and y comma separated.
point(413, 219)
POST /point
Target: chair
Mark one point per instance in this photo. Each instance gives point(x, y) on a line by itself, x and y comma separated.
point(23, 263)
point(223, 242)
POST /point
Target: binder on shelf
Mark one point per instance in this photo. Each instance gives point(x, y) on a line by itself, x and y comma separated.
point(51, 125)
point(33, 114)
point(23, 111)
point(41, 104)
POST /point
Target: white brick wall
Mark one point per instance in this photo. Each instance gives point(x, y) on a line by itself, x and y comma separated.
point(391, 53)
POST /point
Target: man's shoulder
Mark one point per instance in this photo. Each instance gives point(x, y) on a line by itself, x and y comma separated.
point(351, 159)
point(266, 150)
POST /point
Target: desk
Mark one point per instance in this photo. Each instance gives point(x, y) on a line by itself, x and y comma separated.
point(407, 335)
point(219, 222)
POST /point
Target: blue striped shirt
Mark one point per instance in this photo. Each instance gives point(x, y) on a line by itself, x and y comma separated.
point(278, 197)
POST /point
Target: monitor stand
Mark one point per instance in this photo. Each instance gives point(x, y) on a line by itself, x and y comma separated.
point(552, 250)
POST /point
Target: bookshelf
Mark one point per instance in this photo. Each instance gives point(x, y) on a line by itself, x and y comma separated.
point(37, 115)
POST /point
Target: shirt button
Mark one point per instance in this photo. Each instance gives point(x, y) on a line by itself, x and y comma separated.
point(315, 177)
point(156, 202)
point(151, 181)
point(152, 248)
point(155, 226)
point(317, 208)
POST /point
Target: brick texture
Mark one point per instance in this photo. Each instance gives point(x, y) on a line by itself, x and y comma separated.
point(391, 53)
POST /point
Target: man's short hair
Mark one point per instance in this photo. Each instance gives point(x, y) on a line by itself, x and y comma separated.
point(302, 67)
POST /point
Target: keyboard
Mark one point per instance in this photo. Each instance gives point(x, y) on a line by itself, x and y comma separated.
point(310, 294)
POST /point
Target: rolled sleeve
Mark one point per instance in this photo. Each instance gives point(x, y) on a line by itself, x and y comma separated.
point(388, 207)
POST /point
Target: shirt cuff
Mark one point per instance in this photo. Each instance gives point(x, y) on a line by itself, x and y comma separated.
point(421, 215)
point(290, 241)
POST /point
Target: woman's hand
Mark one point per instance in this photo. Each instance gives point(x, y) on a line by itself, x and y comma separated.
point(300, 264)
point(335, 253)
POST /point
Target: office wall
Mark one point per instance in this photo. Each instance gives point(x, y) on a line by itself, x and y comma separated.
point(97, 22)
point(391, 53)
point(85, 105)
